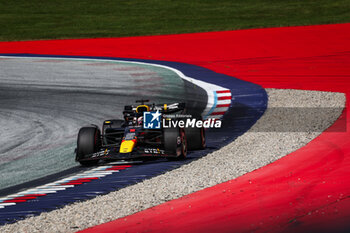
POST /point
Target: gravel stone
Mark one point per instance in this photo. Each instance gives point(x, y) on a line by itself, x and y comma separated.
point(254, 149)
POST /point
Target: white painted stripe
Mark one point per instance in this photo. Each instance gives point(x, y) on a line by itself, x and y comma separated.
point(90, 173)
point(47, 186)
point(224, 102)
point(28, 190)
point(12, 196)
point(100, 168)
point(53, 188)
point(125, 162)
point(47, 190)
point(66, 180)
point(23, 193)
point(88, 176)
point(67, 186)
point(98, 175)
point(223, 94)
point(54, 183)
point(7, 204)
point(34, 191)
point(105, 173)
point(41, 192)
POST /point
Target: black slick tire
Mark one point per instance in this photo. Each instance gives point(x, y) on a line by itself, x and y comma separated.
point(89, 142)
point(195, 138)
point(175, 143)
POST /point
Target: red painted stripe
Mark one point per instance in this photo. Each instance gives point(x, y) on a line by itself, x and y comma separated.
point(33, 195)
point(80, 181)
point(92, 178)
point(217, 113)
point(223, 91)
point(224, 97)
point(14, 201)
point(122, 166)
point(25, 198)
point(37, 195)
point(73, 183)
point(222, 106)
point(118, 167)
point(113, 168)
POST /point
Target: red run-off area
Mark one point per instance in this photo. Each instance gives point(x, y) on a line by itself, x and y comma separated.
point(306, 191)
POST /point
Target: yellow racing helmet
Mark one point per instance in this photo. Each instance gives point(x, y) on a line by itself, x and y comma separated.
point(142, 108)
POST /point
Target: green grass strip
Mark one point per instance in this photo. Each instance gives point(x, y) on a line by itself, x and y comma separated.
point(53, 19)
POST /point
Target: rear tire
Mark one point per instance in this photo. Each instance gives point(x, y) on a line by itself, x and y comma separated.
point(175, 143)
point(89, 142)
point(195, 138)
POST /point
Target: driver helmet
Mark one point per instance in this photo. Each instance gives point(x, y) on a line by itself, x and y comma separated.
point(140, 120)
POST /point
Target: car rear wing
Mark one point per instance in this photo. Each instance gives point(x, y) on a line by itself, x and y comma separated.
point(130, 110)
point(171, 108)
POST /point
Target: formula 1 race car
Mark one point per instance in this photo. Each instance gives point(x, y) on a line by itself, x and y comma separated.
point(130, 138)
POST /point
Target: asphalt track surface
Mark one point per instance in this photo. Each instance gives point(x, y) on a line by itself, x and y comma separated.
point(249, 104)
point(44, 102)
point(304, 191)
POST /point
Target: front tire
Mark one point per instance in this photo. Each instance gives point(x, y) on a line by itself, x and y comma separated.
point(89, 142)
